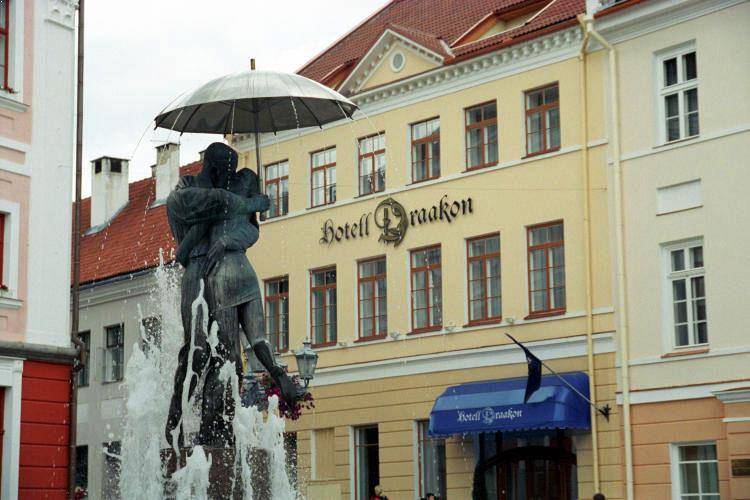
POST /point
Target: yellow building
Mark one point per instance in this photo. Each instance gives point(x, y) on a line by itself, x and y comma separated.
point(467, 200)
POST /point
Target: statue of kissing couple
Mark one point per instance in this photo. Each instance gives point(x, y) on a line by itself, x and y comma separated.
point(213, 217)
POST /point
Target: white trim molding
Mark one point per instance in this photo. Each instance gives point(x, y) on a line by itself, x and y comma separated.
point(11, 378)
point(13, 101)
point(734, 396)
point(62, 12)
point(701, 391)
point(506, 354)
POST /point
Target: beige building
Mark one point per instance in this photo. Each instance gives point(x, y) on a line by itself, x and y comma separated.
point(467, 201)
point(683, 115)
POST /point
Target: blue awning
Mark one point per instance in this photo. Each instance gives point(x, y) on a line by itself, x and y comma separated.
point(498, 405)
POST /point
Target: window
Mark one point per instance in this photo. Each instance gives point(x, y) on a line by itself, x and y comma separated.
point(372, 164)
point(323, 306)
point(695, 471)
point(485, 300)
point(426, 289)
point(366, 461)
point(431, 462)
point(277, 312)
point(546, 269)
point(151, 334)
point(481, 136)
point(5, 42)
point(373, 312)
point(678, 94)
point(114, 353)
point(323, 177)
point(82, 375)
point(425, 150)
point(82, 468)
point(687, 282)
point(277, 188)
point(111, 479)
point(542, 120)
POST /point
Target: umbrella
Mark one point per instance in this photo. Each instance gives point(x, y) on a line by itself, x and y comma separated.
point(255, 102)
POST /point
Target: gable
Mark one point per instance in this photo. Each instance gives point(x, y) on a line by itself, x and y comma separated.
point(387, 69)
point(502, 20)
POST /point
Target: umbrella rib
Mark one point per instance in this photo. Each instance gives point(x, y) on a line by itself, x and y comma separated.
point(310, 110)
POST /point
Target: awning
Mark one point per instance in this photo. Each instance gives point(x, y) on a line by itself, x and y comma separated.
point(498, 405)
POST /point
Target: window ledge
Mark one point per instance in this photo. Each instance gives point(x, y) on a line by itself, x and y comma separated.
point(690, 352)
point(370, 339)
point(677, 141)
point(545, 314)
point(426, 330)
point(484, 322)
point(480, 167)
point(10, 303)
point(12, 104)
point(541, 153)
point(110, 382)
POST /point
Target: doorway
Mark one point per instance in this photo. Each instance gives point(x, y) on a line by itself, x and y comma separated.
point(535, 473)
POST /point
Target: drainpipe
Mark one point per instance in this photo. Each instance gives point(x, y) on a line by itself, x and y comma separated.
point(622, 311)
point(75, 299)
point(587, 253)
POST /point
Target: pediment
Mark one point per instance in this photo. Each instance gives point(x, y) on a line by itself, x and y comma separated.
point(395, 56)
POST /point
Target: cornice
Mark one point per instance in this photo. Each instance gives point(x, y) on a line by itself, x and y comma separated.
point(655, 15)
point(114, 291)
point(548, 49)
point(733, 396)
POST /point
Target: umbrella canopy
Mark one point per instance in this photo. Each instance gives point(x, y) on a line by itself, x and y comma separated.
point(255, 102)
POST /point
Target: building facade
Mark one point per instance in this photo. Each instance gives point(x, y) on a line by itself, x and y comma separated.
point(467, 201)
point(684, 127)
point(36, 168)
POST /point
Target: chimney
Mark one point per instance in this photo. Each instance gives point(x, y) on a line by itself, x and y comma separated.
point(109, 188)
point(167, 169)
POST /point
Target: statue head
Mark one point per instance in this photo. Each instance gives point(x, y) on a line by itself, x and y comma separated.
point(220, 164)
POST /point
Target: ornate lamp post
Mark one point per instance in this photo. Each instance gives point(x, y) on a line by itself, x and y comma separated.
point(307, 360)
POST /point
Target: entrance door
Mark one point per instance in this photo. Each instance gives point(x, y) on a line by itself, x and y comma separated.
point(535, 473)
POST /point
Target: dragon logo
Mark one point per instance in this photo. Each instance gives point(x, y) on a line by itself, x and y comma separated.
point(390, 216)
point(488, 416)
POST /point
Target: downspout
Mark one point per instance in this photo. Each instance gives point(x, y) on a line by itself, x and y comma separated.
point(75, 299)
point(587, 252)
point(622, 303)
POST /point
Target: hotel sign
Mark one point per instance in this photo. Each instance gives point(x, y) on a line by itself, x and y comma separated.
point(393, 220)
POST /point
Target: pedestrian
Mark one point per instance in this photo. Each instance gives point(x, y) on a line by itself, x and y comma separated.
point(599, 496)
point(430, 496)
point(378, 493)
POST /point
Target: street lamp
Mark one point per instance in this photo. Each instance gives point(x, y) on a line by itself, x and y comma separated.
point(307, 359)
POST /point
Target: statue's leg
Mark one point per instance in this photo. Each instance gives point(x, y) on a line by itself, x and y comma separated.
point(253, 323)
point(200, 357)
point(218, 402)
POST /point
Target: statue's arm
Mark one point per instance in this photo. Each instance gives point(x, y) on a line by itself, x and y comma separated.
point(194, 205)
point(193, 236)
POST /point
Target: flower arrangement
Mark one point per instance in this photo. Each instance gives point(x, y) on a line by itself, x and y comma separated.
point(80, 493)
point(304, 402)
point(3, 287)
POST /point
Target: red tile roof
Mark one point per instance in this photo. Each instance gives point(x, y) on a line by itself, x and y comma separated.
point(132, 240)
point(429, 21)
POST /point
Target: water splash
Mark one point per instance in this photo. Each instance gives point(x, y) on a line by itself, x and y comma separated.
point(148, 381)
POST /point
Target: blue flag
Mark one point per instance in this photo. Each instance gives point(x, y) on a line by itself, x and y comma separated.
point(534, 379)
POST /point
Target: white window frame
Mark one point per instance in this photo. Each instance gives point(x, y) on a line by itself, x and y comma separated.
point(687, 274)
point(106, 376)
point(11, 378)
point(680, 88)
point(674, 465)
point(419, 439)
point(12, 211)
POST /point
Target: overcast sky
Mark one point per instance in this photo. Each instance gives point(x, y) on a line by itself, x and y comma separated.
point(142, 54)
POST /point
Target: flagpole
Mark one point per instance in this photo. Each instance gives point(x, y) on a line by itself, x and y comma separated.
point(605, 410)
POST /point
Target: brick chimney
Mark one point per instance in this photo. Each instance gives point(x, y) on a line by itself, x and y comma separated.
point(109, 188)
point(167, 169)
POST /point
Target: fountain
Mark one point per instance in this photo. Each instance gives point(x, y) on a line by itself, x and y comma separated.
point(211, 310)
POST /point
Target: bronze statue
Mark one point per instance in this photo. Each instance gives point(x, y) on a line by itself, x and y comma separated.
point(213, 219)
